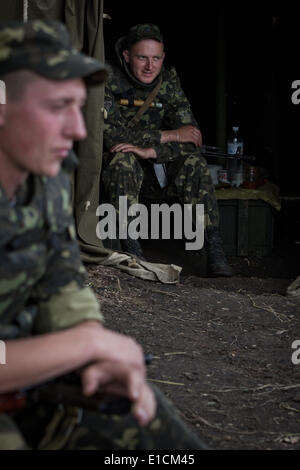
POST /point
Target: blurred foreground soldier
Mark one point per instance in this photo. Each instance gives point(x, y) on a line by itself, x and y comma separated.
point(58, 354)
point(164, 133)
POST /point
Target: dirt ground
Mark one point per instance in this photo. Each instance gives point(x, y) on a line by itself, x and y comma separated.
point(222, 348)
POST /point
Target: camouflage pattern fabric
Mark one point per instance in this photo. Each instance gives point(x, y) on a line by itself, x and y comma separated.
point(40, 260)
point(143, 31)
point(45, 48)
point(70, 428)
point(10, 435)
point(123, 174)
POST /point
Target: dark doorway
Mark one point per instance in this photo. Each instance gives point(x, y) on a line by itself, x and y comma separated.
point(237, 67)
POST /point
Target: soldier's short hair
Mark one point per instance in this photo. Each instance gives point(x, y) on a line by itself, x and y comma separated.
point(16, 83)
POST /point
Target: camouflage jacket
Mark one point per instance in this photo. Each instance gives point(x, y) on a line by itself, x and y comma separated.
point(41, 276)
point(171, 111)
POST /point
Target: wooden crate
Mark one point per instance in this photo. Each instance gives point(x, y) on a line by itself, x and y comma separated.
point(246, 227)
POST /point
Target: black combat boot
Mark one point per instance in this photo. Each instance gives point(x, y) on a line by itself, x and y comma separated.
point(133, 247)
point(217, 265)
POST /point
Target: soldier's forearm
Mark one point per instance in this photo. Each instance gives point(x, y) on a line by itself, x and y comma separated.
point(144, 138)
point(37, 359)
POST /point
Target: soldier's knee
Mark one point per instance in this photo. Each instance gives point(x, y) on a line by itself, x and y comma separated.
point(126, 162)
point(196, 163)
point(198, 159)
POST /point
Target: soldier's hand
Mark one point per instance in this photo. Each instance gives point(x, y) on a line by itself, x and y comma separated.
point(117, 366)
point(140, 152)
point(123, 381)
point(190, 134)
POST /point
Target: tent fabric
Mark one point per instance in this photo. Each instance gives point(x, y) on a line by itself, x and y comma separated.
point(167, 274)
point(84, 20)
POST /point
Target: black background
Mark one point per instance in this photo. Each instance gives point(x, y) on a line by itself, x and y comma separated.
point(259, 52)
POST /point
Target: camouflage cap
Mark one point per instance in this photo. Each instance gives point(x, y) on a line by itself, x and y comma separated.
point(44, 47)
point(143, 31)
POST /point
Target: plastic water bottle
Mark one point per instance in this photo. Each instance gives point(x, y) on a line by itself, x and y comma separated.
point(235, 146)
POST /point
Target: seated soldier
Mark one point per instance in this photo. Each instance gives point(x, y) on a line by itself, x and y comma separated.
point(164, 137)
point(58, 352)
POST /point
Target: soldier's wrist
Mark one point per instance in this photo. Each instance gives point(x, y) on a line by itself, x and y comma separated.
point(168, 136)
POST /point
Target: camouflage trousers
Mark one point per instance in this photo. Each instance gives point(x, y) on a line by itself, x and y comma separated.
point(189, 182)
point(46, 427)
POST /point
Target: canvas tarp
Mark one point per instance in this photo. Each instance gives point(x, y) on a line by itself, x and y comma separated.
point(84, 20)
